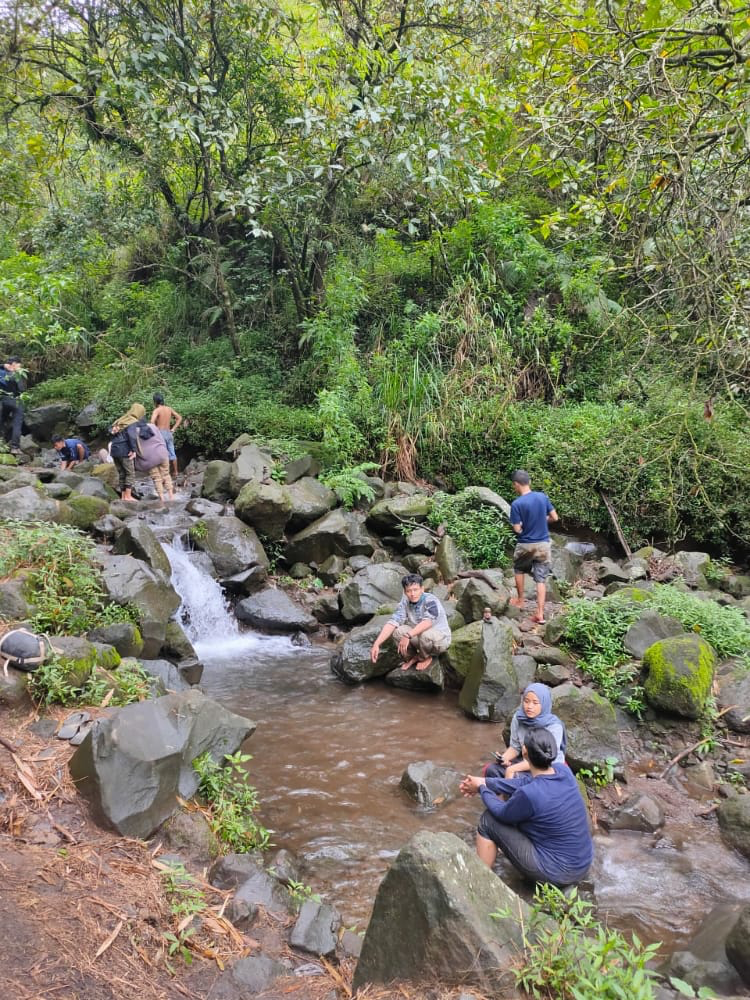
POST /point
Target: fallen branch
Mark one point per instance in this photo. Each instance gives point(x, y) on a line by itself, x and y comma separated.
point(684, 753)
point(8, 746)
point(618, 530)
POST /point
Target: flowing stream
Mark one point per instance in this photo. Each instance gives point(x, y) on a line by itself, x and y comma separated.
point(327, 760)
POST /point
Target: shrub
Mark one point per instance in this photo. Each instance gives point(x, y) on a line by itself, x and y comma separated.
point(232, 802)
point(350, 485)
point(480, 530)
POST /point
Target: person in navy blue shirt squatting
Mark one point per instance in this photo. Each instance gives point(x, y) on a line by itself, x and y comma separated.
point(530, 516)
point(71, 451)
point(418, 625)
point(538, 819)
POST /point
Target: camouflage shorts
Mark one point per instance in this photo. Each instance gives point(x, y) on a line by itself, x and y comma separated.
point(534, 558)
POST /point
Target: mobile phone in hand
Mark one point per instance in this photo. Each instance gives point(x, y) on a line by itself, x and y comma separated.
point(497, 755)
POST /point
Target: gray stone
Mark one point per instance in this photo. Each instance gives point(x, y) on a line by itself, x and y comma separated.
point(429, 570)
point(450, 558)
point(297, 468)
point(693, 565)
point(91, 486)
point(200, 507)
point(265, 506)
point(232, 870)
point(432, 679)
point(55, 491)
point(326, 608)
point(89, 416)
point(431, 920)
point(285, 867)
point(259, 889)
point(371, 588)
point(608, 571)
point(638, 812)
point(565, 564)
point(204, 563)
point(591, 724)
point(421, 540)
point(190, 669)
point(169, 679)
point(233, 546)
point(490, 691)
point(310, 500)
point(138, 540)
point(429, 784)
point(387, 516)
point(352, 663)
point(273, 610)
point(550, 655)
point(489, 498)
point(13, 603)
point(525, 668)
point(463, 650)
point(339, 532)
point(300, 571)
point(124, 636)
point(216, 481)
point(134, 763)
point(734, 823)
point(474, 595)
point(351, 944)
point(358, 563)
point(238, 444)
point(738, 945)
point(188, 833)
point(734, 690)
point(23, 478)
point(251, 465)
point(650, 627)
point(108, 525)
point(330, 571)
point(552, 674)
point(256, 974)
point(316, 929)
point(14, 688)
point(48, 419)
point(127, 580)
point(680, 673)
point(76, 657)
point(738, 586)
point(177, 646)
point(28, 504)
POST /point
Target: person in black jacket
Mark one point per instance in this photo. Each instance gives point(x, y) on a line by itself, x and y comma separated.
point(123, 448)
point(12, 385)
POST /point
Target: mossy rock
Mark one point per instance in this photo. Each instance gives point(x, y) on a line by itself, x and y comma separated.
point(680, 674)
point(77, 658)
point(464, 648)
point(106, 656)
point(82, 511)
point(107, 473)
point(636, 595)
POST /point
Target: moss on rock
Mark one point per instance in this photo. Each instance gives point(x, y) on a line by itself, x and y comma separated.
point(82, 511)
point(680, 674)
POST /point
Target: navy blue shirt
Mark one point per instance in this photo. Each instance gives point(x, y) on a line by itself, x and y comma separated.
point(531, 510)
point(550, 811)
point(69, 450)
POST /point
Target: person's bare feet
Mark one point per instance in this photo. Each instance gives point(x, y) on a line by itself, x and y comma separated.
point(409, 663)
point(517, 602)
point(425, 664)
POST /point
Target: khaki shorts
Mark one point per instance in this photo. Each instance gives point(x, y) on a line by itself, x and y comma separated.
point(429, 643)
point(534, 558)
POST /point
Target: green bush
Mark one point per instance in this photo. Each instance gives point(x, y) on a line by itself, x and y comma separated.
point(481, 531)
point(49, 684)
point(233, 802)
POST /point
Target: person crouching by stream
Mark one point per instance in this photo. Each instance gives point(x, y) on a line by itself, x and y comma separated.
point(419, 626)
point(538, 819)
point(71, 451)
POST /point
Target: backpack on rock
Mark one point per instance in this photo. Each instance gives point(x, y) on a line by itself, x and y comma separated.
point(21, 649)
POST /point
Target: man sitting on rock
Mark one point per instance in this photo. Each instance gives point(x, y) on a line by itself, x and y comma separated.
point(418, 625)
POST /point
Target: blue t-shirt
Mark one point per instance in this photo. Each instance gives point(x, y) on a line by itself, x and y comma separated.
point(550, 811)
point(69, 450)
point(531, 510)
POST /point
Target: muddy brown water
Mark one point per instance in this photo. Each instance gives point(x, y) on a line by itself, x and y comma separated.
point(327, 763)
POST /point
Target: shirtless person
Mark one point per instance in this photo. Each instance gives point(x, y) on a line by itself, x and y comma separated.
point(162, 417)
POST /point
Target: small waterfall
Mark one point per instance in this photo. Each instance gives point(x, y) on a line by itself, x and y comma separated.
point(204, 613)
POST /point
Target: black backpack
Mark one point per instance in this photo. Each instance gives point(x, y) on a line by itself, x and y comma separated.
point(21, 649)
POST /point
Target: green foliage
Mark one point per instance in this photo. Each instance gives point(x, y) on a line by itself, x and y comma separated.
point(50, 684)
point(686, 990)
point(60, 577)
point(186, 902)
point(350, 484)
point(300, 892)
point(574, 957)
point(477, 528)
point(232, 801)
point(599, 776)
point(725, 628)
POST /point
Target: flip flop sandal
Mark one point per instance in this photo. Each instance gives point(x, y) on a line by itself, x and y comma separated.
point(72, 724)
point(83, 730)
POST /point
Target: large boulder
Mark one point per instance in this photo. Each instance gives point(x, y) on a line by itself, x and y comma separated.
point(387, 516)
point(28, 504)
point(233, 546)
point(650, 627)
point(680, 675)
point(474, 595)
point(216, 481)
point(165, 677)
point(124, 636)
point(737, 945)
point(490, 691)
point(591, 724)
point(93, 486)
point(310, 500)
point(693, 566)
point(462, 651)
point(429, 784)
point(14, 604)
point(265, 506)
point(340, 532)
point(273, 610)
point(432, 679)
point(316, 930)
point(135, 762)
point(251, 465)
point(734, 822)
point(129, 581)
point(489, 498)
point(82, 511)
point(89, 416)
point(138, 540)
point(734, 697)
point(351, 663)
point(432, 920)
point(76, 658)
point(374, 586)
point(450, 559)
point(48, 419)
point(14, 686)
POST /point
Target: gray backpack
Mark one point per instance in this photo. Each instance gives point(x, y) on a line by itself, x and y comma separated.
point(21, 649)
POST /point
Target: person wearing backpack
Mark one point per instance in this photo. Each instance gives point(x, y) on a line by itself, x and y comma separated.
point(152, 456)
point(12, 384)
point(71, 451)
point(123, 448)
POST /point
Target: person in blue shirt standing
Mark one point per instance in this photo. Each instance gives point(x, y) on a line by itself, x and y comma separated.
point(538, 819)
point(71, 451)
point(530, 516)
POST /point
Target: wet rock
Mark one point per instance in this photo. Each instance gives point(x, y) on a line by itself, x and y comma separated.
point(310, 500)
point(285, 867)
point(13, 603)
point(134, 763)
point(474, 595)
point(81, 511)
point(232, 870)
point(124, 636)
point(526, 670)
point(374, 586)
point(431, 919)
point(591, 724)
point(734, 689)
point(265, 506)
point(28, 504)
point(608, 571)
point(216, 481)
point(259, 889)
point(326, 608)
point(490, 691)
point(127, 580)
point(138, 540)
point(167, 676)
point(339, 532)
point(106, 473)
point(108, 525)
point(734, 823)
point(251, 465)
point(351, 944)
point(352, 663)
point(233, 546)
point(204, 563)
point(92, 486)
point(638, 812)
point(738, 945)
point(273, 610)
point(200, 507)
point(330, 571)
point(387, 516)
point(50, 418)
point(450, 558)
point(552, 674)
point(297, 468)
point(255, 975)
point(177, 646)
point(421, 540)
point(680, 673)
point(650, 628)
point(316, 929)
point(429, 784)
point(432, 679)
point(14, 688)
point(693, 565)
